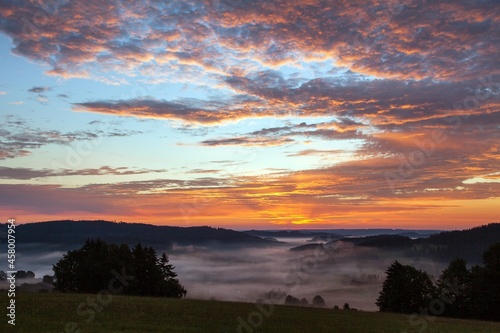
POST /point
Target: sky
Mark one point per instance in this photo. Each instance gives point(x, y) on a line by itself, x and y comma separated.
point(251, 114)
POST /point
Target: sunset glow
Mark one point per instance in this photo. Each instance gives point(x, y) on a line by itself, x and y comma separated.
point(251, 114)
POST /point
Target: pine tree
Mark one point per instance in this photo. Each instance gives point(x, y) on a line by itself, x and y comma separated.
point(171, 286)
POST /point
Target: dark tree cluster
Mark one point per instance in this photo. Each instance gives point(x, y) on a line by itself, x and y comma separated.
point(91, 268)
point(317, 301)
point(20, 275)
point(405, 289)
point(462, 292)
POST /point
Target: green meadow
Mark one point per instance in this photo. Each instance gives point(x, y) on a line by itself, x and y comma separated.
point(78, 313)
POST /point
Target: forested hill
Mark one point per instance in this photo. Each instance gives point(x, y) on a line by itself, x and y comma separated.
point(77, 232)
point(381, 241)
point(445, 246)
point(467, 244)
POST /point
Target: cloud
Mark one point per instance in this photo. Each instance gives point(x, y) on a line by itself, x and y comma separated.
point(277, 136)
point(28, 173)
point(201, 171)
point(158, 186)
point(412, 40)
point(22, 173)
point(311, 152)
point(17, 103)
point(415, 84)
point(39, 89)
point(381, 71)
point(21, 140)
point(356, 105)
point(247, 141)
point(42, 99)
point(379, 101)
point(20, 143)
point(200, 112)
point(41, 198)
point(354, 192)
point(155, 109)
point(3, 93)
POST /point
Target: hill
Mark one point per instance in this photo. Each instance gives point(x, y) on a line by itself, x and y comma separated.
point(291, 234)
point(306, 247)
point(381, 241)
point(329, 234)
point(467, 244)
point(73, 312)
point(77, 232)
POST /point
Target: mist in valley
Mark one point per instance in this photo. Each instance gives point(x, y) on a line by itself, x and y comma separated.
point(338, 271)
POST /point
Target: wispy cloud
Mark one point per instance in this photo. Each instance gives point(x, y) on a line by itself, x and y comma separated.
point(202, 113)
point(42, 99)
point(312, 152)
point(247, 141)
point(39, 89)
point(21, 140)
point(28, 173)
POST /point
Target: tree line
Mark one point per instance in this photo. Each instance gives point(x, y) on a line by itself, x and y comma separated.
point(459, 292)
point(20, 275)
point(90, 269)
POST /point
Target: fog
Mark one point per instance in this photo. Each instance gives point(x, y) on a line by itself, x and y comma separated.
point(37, 258)
point(339, 272)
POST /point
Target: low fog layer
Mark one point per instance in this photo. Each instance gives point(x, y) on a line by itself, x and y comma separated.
point(340, 273)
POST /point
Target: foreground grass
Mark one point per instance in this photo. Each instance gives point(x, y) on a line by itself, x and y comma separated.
point(42, 313)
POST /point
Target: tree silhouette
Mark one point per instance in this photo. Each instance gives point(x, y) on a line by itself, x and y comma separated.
point(90, 270)
point(290, 300)
point(170, 285)
point(48, 279)
point(485, 286)
point(20, 275)
point(318, 301)
point(452, 288)
point(405, 290)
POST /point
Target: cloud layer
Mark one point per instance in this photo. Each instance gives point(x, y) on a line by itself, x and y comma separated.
point(412, 86)
point(405, 40)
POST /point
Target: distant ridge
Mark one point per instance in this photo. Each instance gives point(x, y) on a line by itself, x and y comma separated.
point(77, 232)
point(467, 244)
point(291, 233)
point(339, 233)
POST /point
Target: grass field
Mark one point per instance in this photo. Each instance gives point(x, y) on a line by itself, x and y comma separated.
point(43, 313)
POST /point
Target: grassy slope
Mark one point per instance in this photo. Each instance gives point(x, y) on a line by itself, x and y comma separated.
point(50, 312)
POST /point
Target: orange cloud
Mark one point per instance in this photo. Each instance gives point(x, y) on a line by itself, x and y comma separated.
point(409, 40)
